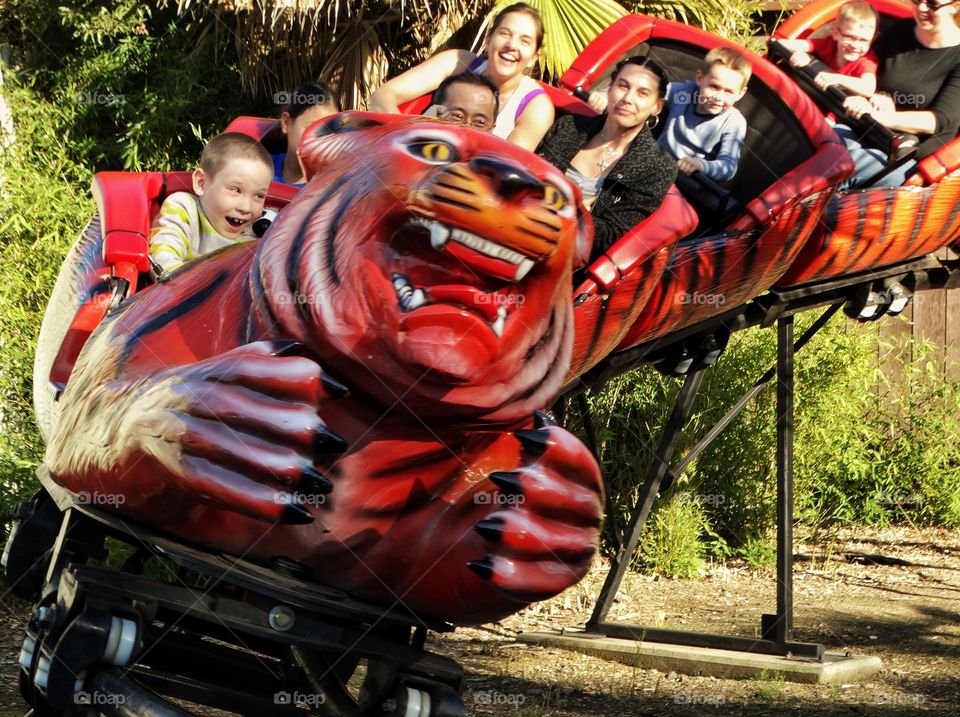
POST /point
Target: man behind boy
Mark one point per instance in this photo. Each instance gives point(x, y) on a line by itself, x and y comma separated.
point(704, 131)
point(230, 188)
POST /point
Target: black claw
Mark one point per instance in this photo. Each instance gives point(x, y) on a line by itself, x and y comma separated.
point(325, 441)
point(543, 419)
point(507, 481)
point(333, 386)
point(483, 568)
point(295, 515)
point(314, 483)
point(534, 441)
point(285, 347)
point(491, 529)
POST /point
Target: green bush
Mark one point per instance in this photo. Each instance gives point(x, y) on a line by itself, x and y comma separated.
point(93, 86)
point(861, 455)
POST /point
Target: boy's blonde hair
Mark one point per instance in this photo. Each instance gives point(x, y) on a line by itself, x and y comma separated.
point(232, 145)
point(728, 58)
point(860, 12)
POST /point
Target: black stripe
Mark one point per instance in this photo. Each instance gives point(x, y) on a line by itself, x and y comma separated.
point(293, 258)
point(170, 315)
point(953, 214)
point(921, 217)
point(861, 223)
point(257, 297)
point(598, 328)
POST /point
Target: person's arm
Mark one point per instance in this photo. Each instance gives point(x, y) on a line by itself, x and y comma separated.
point(800, 51)
point(865, 85)
point(533, 124)
point(172, 229)
point(419, 80)
point(724, 166)
point(881, 109)
point(796, 45)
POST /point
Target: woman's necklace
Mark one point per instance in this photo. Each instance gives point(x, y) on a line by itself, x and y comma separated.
point(608, 155)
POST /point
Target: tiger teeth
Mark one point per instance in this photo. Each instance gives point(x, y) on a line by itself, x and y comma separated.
point(439, 234)
point(485, 246)
point(523, 269)
point(499, 322)
point(408, 297)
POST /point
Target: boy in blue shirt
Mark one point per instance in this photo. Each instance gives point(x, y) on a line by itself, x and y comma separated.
point(703, 130)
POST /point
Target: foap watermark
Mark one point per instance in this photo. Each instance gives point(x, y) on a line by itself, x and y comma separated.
point(892, 698)
point(688, 698)
point(492, 697)
point(298, 298)
point(909, 99)
point(904, 500)
point(500, 299)
point(102, 699)
point(301, 99)
point(487, 498)
point(299, 699)
point(96, 498)
point(701, 299)
point(714, 500)
point(107, 99)
point(301, 499)
point(685, 98)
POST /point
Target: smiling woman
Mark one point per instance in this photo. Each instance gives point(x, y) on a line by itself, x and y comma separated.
point(512, 47)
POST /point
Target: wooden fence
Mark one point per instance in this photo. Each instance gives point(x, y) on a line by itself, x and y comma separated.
point(934, 317)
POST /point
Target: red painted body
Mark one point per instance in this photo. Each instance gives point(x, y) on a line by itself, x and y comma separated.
point(212, 406)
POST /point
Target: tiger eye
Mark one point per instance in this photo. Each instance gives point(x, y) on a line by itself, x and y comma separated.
point(434, 151)
point(554, 197)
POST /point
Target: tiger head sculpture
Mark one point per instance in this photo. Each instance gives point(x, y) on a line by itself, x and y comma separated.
point(442, 251)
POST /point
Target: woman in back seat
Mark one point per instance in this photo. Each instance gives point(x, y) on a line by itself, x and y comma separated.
point(919, 88)
point(622, 172)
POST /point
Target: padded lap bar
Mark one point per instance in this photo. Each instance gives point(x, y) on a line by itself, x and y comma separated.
point(674, 219)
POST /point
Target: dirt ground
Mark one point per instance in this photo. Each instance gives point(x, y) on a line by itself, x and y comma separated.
point(891, 593)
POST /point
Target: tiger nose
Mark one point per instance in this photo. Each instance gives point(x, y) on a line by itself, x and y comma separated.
point(509, 179)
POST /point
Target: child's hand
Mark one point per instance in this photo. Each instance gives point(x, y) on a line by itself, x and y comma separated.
point(856, 106)
point(800, 59)
point(689, 165)
point(823, 80)
point(598, 100)
point(882, 103)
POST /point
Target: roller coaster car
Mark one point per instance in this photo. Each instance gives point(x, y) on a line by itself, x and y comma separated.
point(750, 230)
point(869, 232)
point(200, 407)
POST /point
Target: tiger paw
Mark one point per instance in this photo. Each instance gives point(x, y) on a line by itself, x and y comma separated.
point(546, 529)
point(241, 430)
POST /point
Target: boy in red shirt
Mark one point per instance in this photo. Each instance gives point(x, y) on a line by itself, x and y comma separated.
point(846, 50)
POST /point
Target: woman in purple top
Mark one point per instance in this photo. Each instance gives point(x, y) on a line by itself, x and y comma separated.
point(918, 88)
point(512, 46)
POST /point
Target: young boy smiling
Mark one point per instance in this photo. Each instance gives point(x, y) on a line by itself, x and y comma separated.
point(846, 50)
point(230, 188)
point(704, 131)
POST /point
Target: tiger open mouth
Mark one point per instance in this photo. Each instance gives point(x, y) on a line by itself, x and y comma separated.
point(486, 304)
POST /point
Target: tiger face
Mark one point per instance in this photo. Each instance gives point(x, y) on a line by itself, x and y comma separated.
point(430, 264)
